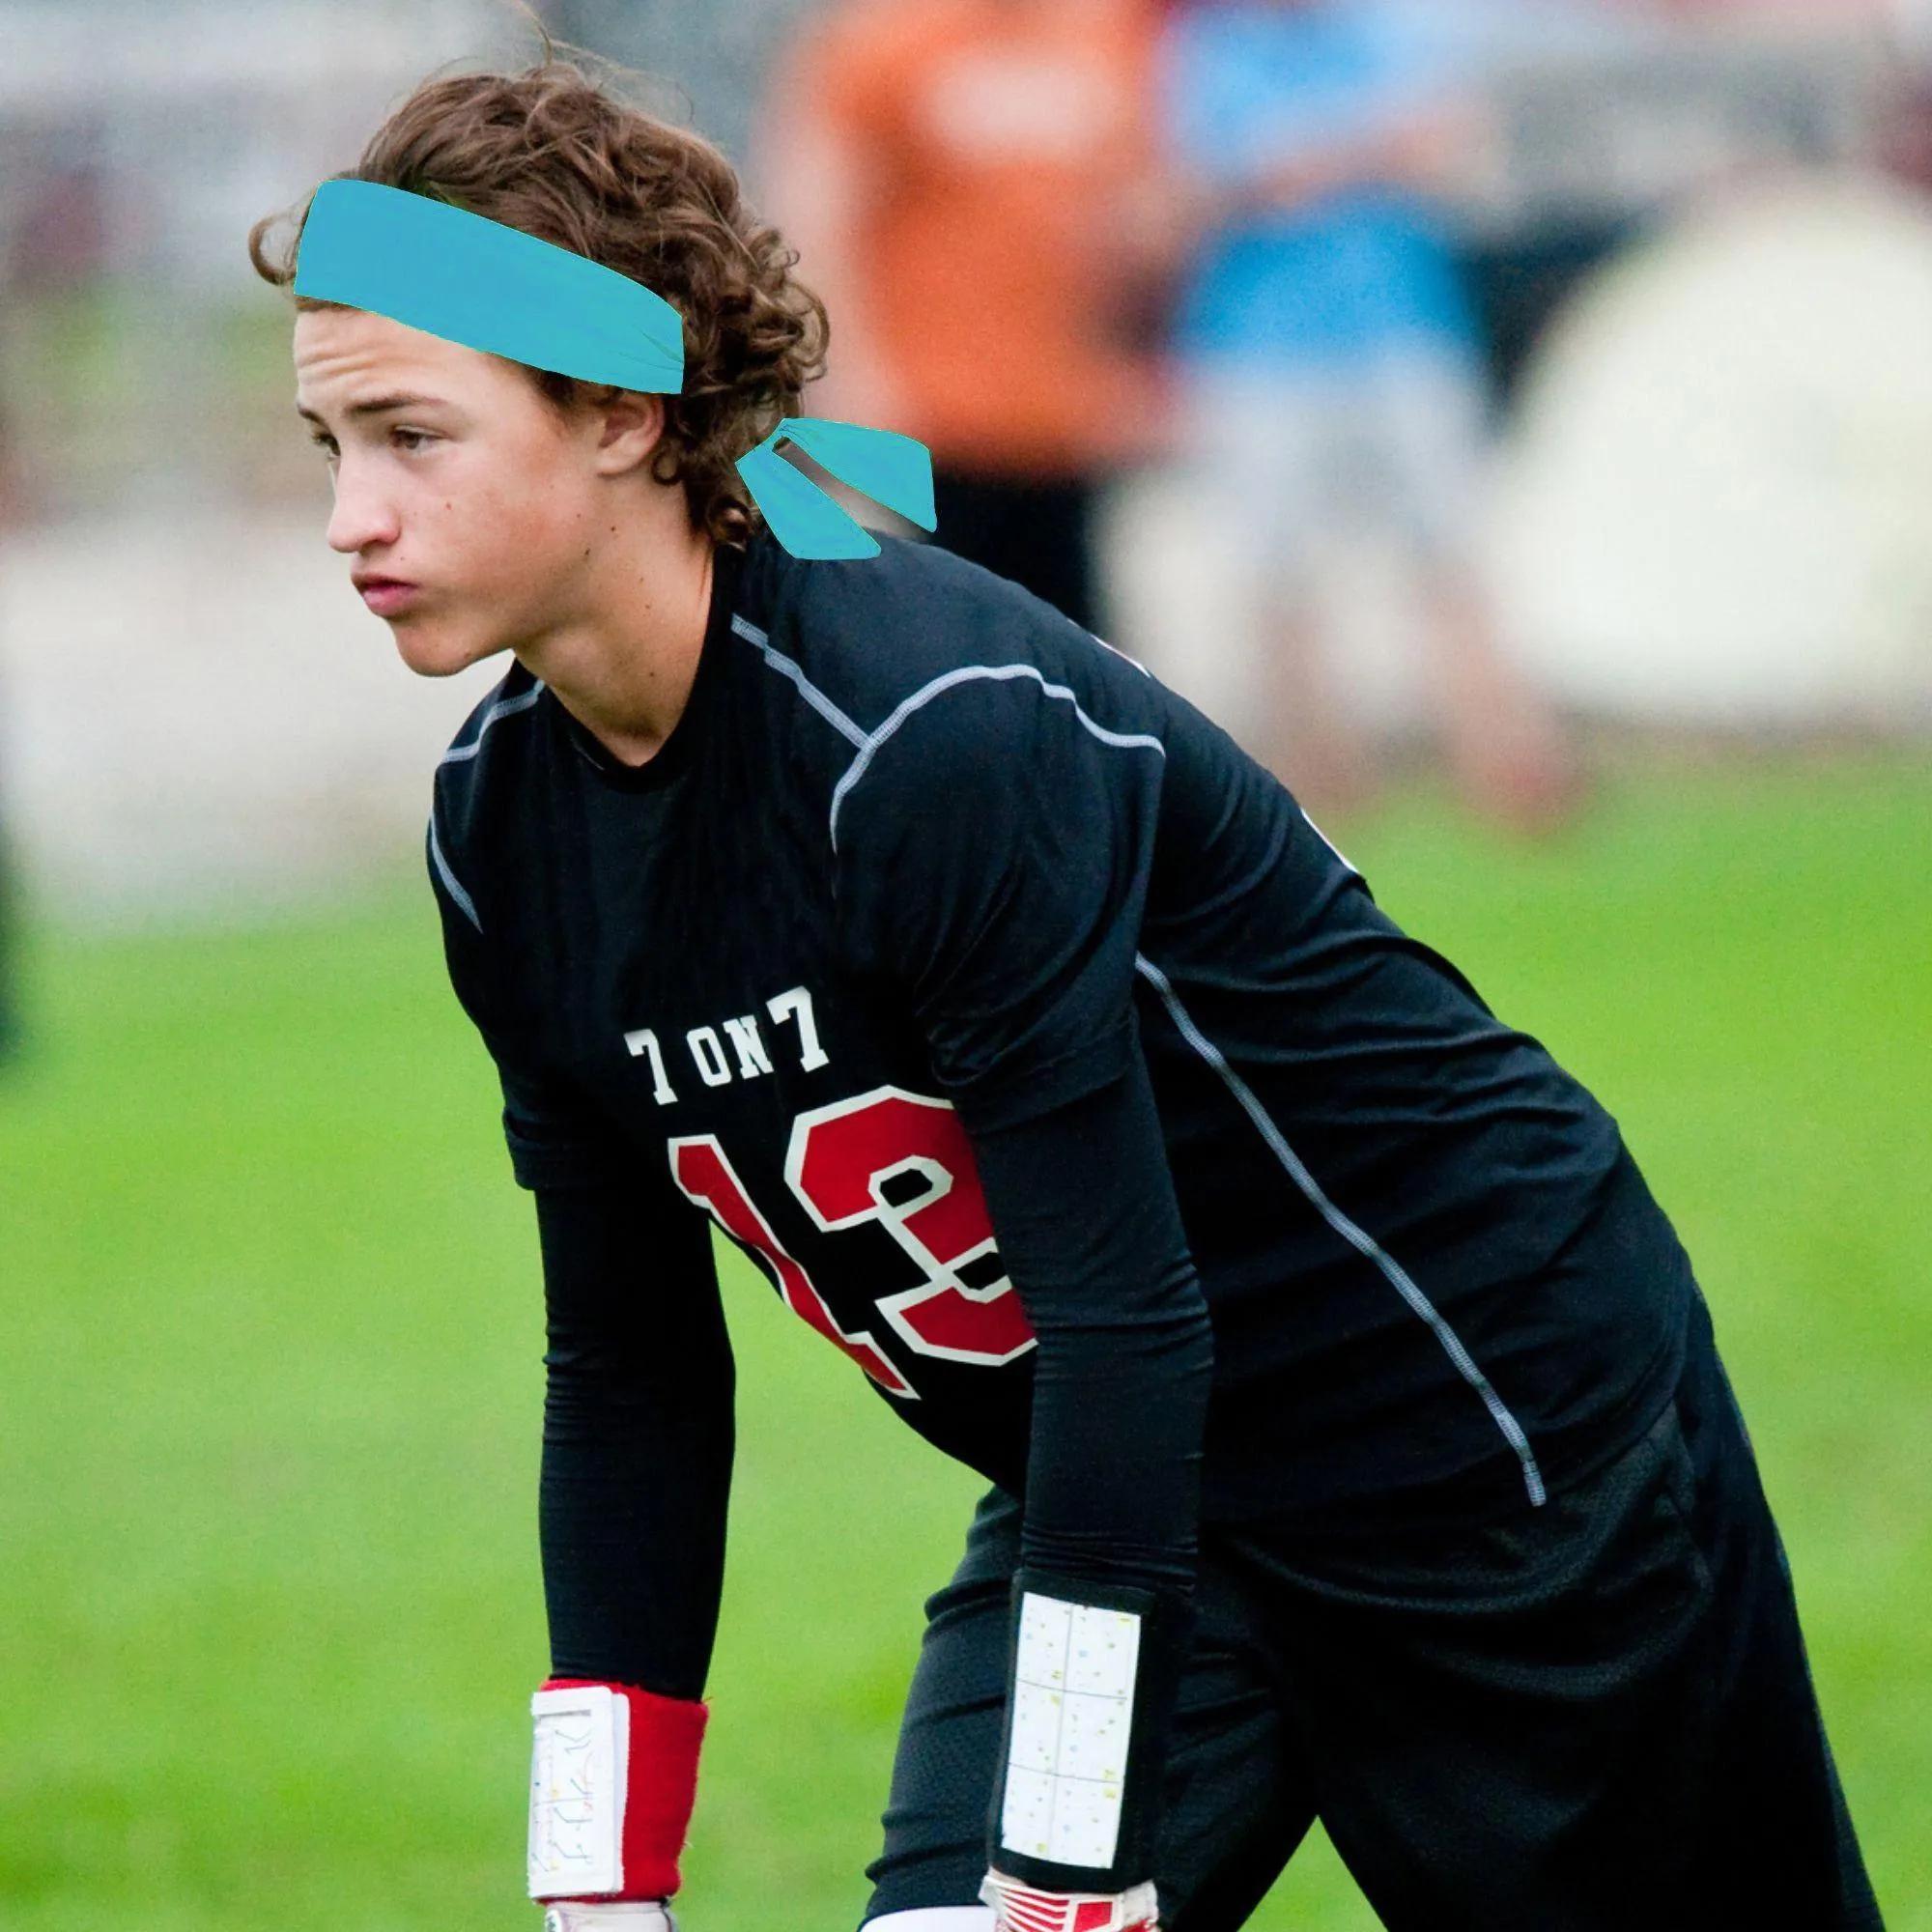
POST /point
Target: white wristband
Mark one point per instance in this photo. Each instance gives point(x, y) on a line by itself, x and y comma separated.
point(1072, 1721)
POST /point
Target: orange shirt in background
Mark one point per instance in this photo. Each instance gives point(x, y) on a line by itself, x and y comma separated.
point(997, 137)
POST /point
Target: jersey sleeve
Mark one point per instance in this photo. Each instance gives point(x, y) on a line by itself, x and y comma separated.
point(638, 1441)
point(637, 1407)
point(993, 855)
point(556, 1140)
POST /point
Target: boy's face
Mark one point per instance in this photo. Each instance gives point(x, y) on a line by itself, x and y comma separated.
point(453, 475)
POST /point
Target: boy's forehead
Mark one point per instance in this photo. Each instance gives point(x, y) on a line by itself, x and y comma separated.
point(335, 348)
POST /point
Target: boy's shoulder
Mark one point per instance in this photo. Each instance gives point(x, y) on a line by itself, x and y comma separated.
point(874, 634)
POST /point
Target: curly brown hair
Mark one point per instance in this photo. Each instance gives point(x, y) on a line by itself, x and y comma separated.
point(550, 151)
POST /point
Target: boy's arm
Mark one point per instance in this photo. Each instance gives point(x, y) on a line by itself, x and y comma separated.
point(1084, 1206)
point(637, 1468)
point(636, 1471)
point(994, 861)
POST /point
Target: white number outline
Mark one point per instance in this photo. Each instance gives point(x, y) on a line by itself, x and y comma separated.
point(941, 1278)
point(789, 1276)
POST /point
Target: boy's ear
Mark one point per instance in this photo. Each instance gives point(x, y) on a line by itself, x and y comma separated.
point(632, 427)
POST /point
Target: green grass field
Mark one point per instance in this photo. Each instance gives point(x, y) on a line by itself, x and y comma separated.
point(271, 1326)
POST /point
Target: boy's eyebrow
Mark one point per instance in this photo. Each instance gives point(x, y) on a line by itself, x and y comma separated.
point(375, 406)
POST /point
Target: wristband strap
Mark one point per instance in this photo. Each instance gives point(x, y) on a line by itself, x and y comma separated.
point(1095, 1668)
point(613, 1779)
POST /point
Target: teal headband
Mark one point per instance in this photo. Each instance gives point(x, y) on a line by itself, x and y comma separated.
point(493, 288)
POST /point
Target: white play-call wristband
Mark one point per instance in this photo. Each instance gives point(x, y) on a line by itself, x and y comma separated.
point(1072, 1721)
point(578, 1782)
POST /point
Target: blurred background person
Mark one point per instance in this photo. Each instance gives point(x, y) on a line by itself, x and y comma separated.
point(952, 173)
point(1333, 379)
point(12, 511)
point(1906, 136)
point(50, 247)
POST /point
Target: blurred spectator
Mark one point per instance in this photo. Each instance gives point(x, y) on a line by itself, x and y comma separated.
point(1906, 136)
point(1331, 371)
point(954, 174)
point(1520, 281)
point(61, 241)
point(12, 508)
point(56, 245)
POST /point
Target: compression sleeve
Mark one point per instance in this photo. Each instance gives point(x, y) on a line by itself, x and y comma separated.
point(637, 1421)
point(1090, 1235)
point(638, 1440)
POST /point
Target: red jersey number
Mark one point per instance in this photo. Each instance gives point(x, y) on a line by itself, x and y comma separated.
point(903, 1161)
point(700, 1167)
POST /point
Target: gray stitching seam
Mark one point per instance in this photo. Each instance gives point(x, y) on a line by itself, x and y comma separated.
point(809, 692)
point(869, 743)
point(451, 884)
point(1356, 1237)
point(507, 709)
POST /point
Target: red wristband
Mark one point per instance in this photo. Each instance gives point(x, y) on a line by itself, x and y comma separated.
point(659, 1782)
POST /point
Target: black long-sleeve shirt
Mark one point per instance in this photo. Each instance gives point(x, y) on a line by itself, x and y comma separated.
point(1053, 1067)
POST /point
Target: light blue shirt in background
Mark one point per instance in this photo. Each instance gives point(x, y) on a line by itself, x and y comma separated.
point(1357, 274)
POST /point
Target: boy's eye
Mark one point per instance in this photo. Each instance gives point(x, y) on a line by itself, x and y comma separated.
point(413, 439)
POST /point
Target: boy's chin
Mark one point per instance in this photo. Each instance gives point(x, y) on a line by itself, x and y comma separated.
point(430, 651)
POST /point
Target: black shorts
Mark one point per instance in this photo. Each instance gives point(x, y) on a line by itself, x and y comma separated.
point(1597, 1714)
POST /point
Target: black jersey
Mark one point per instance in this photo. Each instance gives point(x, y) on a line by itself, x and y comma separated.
point(922, 863)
